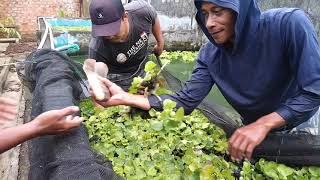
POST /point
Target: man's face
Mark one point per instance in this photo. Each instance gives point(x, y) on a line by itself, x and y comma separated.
point(220, 22)
point(122, 35)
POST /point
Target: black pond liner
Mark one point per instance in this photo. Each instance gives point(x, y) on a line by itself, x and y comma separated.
point(56, 82)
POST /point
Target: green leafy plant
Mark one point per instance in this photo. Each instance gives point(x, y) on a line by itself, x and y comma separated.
point(187, 57)
point(61, 13)
point(7, 29)
point(152, 83)
point(172, 145)
point(168, 145)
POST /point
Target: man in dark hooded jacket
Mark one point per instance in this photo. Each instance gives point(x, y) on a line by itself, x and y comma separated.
point(266, 64)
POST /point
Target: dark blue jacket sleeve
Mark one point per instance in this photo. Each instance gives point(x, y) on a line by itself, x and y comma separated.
point(194, 91)
point(304, 54)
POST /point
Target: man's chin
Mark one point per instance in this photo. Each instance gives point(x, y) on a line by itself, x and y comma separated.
point(217, 41)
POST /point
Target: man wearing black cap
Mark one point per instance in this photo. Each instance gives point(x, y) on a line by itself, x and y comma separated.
point(120, 37)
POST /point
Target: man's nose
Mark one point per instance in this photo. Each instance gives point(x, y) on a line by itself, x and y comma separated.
point(211, 21)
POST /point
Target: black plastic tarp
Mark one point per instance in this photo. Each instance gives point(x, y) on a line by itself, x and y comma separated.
point(54, 80)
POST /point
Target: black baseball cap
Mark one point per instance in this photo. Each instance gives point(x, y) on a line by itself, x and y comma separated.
point(105, 17)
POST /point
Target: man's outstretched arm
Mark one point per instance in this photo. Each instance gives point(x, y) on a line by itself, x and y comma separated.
point(51, 122)
point(120, 97)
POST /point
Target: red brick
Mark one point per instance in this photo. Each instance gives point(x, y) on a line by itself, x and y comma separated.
point(26, 12)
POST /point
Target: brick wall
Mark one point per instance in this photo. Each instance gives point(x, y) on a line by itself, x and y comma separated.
point(25, 12)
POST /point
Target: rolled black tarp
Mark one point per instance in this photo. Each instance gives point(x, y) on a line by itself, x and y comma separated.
point(55, 82)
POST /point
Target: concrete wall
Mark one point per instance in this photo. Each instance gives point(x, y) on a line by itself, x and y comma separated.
point(178, 24)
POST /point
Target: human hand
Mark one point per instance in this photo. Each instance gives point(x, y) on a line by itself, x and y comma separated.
point(158, 49)
point(117, 94)
point(245, 139)
point(8, 109)
point(57, 121)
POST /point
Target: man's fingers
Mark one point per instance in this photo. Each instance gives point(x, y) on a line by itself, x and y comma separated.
point(106, 82)
point(242, 149)
point(68, 111)
point(234, 151)
point(7, 101)
point(74, 122)
point(233, 137)
point(4, 116)
point(3, 121)
point(9, 108)
point(234, 145)
point(249, 150)
point(98, 105)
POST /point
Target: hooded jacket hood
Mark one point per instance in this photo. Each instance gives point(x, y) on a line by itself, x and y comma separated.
point(247, 14)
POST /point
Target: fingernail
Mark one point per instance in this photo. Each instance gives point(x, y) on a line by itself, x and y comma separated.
point(75, 108)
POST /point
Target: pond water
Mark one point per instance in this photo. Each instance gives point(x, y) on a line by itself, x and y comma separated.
point(183, 72)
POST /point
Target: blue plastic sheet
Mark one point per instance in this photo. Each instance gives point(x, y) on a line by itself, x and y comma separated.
point(69, 22)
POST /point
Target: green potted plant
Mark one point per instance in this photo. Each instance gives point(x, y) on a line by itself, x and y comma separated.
point(8, 29)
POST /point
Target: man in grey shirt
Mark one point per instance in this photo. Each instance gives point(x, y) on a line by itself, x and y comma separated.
point(120, 37)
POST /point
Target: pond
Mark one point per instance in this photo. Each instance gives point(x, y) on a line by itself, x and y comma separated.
point(184, 71)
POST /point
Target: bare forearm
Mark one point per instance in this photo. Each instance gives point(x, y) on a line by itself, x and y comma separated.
point(271, 121)
point(138, 101)
point(13, 136)
point(245, 139)
point(156, 31)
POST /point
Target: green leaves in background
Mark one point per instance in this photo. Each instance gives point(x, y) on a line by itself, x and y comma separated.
point(187, 57)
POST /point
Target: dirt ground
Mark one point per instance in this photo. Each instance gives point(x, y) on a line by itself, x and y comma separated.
point(25, 47)
point(14, 163)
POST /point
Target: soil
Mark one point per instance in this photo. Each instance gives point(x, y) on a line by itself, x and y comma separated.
point(23, 47)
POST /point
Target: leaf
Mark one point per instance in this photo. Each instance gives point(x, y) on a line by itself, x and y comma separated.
point(284, 171)
point(269, 169)
point(156, 125)
point(179, 114)
point(169, 105)
point(171, 124)
point(193, 167)
point(207, 172)
point(149, 66)
point(314, 171)
point(152, 112)
point(134, 85)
